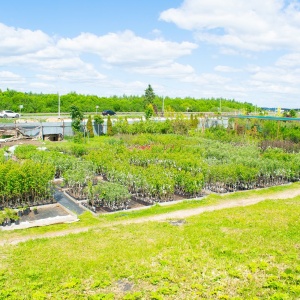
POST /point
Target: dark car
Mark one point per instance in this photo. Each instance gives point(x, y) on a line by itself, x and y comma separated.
point(108, 112)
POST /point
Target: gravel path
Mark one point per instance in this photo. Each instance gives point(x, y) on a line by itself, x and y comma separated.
point(181, 214)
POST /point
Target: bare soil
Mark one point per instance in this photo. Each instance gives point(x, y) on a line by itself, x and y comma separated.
point(177, 215)
point(23, 142)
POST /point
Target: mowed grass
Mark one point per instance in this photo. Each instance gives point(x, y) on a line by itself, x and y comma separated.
point(239, 253)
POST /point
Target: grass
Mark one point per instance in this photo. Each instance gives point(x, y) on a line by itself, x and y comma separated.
point(7, 121)
point(238, 253)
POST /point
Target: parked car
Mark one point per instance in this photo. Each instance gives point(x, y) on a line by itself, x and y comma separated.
point(9, 114)
point(108, 112)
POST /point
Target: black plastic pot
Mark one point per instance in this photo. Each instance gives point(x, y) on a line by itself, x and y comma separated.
point(26, 211)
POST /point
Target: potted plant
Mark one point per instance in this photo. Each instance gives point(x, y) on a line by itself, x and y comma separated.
point(26, 210)
point(35, 210)
point(2, 218)
point(17, 219)
point(20, 211)
point(9, 215)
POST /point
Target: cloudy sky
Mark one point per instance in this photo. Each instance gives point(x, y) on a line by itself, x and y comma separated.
point(235, 49)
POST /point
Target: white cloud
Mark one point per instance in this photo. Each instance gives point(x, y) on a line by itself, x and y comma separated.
point(20, 41)
point(58, 63)
point(276, 81)
point(226, 69)
point(291, 60)
point(207, 79)
point(10, 77)
point(127, 48)
point(173, 70)
point(248, 25)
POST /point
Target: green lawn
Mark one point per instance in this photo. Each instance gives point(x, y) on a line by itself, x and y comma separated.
point(239, 253)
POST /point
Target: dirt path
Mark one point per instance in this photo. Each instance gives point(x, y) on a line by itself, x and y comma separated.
point(181, 214)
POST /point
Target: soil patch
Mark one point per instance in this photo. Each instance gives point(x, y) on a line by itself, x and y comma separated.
point(23, 142)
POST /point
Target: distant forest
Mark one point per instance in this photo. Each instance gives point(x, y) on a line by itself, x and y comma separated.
point(48, 103)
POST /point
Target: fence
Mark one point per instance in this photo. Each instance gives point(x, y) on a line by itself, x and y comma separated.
point(59, 129)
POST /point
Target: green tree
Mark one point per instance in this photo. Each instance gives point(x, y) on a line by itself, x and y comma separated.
point(149, 96)
point(77, 117)
point(89, 127)
point(149, 112)
point(290, 114)
point(98, 120)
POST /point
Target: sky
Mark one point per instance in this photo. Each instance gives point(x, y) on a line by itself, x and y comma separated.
point(248, 51)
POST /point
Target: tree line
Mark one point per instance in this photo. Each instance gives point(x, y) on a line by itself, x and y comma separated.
point(48, 103)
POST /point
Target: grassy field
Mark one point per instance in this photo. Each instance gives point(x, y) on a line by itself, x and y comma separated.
point(239, 253)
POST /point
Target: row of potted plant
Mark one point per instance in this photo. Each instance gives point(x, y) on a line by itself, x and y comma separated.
point(8, 215)
point(24, 211)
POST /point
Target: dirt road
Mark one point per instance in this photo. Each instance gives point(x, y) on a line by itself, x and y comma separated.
point(181, 214)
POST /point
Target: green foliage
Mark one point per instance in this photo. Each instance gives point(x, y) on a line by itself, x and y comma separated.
point(25, 151)
point(78, 150)
point(149, 96)
point(149, 111)
point(177, 126)
point(293, 113)
point(47, 103)
point(98, 120)
point(78, 137)
point(77, 177)
point(268, 129)
point(290, 114)
point(89, 127)
point(133, 296)
point(24, 183)
point(7, 214)
point(109, 127)
point(77, 117)
point(108, 194)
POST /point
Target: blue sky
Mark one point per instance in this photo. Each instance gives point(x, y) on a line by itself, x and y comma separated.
point(235, 49)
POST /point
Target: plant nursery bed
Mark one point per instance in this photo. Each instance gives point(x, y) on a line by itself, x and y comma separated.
point(74, 197)
point(45, 215)
point(44, 212)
